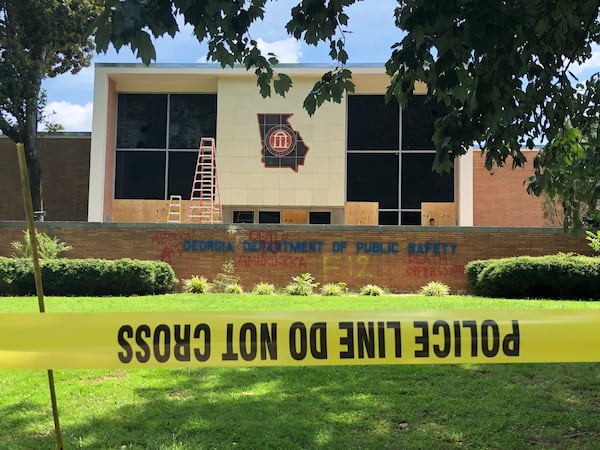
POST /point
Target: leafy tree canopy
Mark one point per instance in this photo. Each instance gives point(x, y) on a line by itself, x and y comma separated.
point(502, 68)
point(567, 174)
point(38, 39)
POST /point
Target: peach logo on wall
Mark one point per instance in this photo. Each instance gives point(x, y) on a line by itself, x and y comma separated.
point(282, 146)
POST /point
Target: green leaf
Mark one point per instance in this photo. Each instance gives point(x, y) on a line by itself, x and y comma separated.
point(310, 104)
point(144, 47)
point(282, 84)
point(264, 83)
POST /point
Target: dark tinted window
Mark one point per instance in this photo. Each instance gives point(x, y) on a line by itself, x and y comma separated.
point(388, 218)
point(269, 217)
point(373, 124)
point(243, 217)
point(417, 123)
point(373, 177)
point(191, 117)
point(181, 173)
point(140, 175)
point(421, 184)
point(319, 217)
point(142, 121)
point(411, 218)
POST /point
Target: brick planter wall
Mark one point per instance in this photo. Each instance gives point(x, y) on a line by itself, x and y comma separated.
point(400, 258)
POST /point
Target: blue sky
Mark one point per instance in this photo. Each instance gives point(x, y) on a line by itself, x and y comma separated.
point(371, 33)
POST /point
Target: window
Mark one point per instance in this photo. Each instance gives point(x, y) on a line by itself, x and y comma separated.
point(142, 121)
point(390, 155)
point(373, 177)
point(421, 184)
point(157, 142)
point(375, 124)
point(191, 117)
point(182, 166)
point(140, 175)
point(411, 218)
point(388, 217)
point(269, 217)
point(319, 217)
point(417, 123)
point(243, 216)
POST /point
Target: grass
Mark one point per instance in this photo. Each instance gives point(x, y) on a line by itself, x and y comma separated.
point(553, 406)
point(252, 302)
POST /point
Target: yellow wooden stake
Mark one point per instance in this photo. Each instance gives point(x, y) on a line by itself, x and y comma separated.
point(28, 205)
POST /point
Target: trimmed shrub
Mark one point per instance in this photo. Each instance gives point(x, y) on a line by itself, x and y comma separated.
point(87, 277)
point(334, 289)
point(474, 268)
point(561, 276)
point(233, 288)
point(435, 289)
point(164, 278)
point(197, 285)
point(263, 288)
point(12, 272)
point(370, 290)
point(301, 285)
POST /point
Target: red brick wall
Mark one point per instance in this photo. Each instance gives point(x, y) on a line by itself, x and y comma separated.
point(65, 178)
point(500, 198)
point(331, 254)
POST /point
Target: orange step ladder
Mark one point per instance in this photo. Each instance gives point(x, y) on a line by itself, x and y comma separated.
point(205, 200)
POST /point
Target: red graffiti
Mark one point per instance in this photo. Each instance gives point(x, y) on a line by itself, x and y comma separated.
point(171, 244)
point(178, 236)
point(431, 266)
point(272, 261)
point(423, 260)
point(267, 236)
point(169, 253)
point(435, 271)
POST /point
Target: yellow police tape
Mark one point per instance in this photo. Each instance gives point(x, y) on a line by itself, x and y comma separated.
point(279, 338)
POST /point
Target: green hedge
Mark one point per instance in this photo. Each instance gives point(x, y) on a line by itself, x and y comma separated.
point(87, 277)
point(561, 276)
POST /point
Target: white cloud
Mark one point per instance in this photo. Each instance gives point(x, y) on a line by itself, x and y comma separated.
point(590, 66)
point(287, 50)
point(71, 116)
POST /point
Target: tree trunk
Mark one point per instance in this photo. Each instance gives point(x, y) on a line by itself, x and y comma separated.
point(34, 172)
point(31, 153)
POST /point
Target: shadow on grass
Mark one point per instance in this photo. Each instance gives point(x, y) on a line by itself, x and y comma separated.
point(549, 406)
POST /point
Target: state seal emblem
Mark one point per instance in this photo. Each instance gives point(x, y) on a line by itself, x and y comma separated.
point(282, 146)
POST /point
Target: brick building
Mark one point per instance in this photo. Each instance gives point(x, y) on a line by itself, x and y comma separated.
point(65, 160)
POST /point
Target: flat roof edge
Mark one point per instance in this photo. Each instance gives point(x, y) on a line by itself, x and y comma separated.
point(236, 66)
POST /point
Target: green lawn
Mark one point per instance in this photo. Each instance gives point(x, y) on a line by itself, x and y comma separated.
point(553, 406)
point(224, 302)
